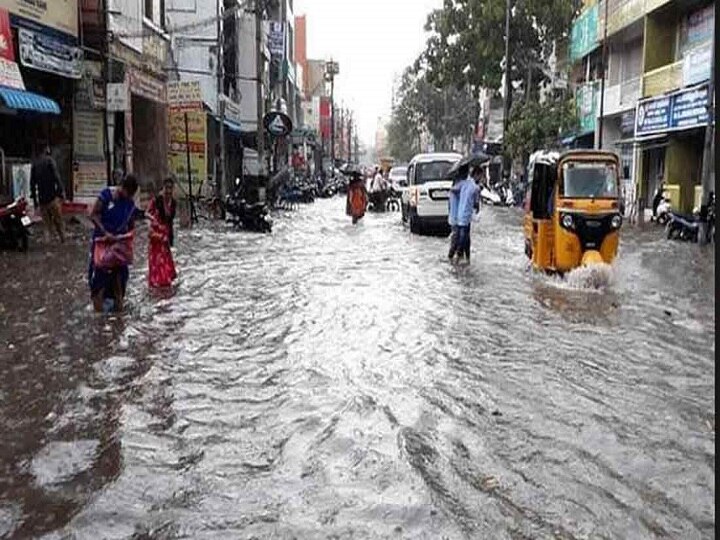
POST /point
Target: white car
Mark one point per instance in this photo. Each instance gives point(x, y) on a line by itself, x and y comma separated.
point(398, 177)
point(425, 201)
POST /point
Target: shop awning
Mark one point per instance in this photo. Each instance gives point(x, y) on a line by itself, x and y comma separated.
point(232, 126)
point(21, 100)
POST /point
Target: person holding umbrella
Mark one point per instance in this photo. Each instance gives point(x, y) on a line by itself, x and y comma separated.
point(357, 197)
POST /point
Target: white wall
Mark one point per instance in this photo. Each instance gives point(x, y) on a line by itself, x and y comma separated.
point(194, 55)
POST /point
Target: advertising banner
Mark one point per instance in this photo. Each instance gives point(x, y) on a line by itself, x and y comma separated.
point(21, 181)
point(6, 41)
point(60, 15)
point(88, 137)
point(46, 53)
point(195, 143)
point(696, 64)
point(684, 109)
point(10, 75)
point(89, 178)
point(276, 38)
point(147, 87)
point(117, 97)
point(185, 95)
point(584, 33)
point(325, 117)
point(586, 99)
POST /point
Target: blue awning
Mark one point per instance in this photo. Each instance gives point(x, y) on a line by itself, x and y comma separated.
point(21, 100)
point(232, 126)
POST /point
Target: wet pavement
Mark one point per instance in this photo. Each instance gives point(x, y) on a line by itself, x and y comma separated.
point(332, 381)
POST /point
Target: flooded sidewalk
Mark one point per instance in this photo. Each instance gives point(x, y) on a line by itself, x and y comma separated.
point(332, 380)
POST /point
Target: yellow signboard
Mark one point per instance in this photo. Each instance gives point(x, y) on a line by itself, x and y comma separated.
point(60, 15)
point(195, 142)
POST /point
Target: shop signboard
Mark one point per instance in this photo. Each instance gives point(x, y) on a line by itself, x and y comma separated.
point(117, 97)
point(231, 110)
point(586, 99)
point(89, 178)
point(90, 91)
point(6, 41)
point(186, 95)
point(584, 33)
point(59, 15)
point(696, 64)
point(21, 181)
point(184, 139)
point(88, 137)
point(10, 75)
point(47, 53)
point(697, 28)
point(684, 109)
point(276, 39)
point(147, 87)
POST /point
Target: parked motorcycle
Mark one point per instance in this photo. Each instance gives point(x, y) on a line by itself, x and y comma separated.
point(251, 216)
point(664, 210)
point(15, 225)
point(683, 227)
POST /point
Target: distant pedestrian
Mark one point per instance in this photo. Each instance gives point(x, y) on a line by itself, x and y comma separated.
point(357, 199)
point(114, 218)
point(161, 211)
point(467, 192)
point(47, 192)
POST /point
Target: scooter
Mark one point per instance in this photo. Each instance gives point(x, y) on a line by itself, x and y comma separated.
point(664, 210)
point(15, 225)
point(683, 227)
point(251, 216)
point(489, 196)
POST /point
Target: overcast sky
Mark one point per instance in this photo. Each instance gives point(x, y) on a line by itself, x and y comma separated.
point(373, 40)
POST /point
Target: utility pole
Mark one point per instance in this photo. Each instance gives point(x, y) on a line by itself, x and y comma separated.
point(332, 69)
point(603, 64)
point(708, 176)
point(259, 68)
point(349, 138)
point(220, 181)
point(508, 97)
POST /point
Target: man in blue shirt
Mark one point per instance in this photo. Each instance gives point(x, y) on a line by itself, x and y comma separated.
point(467, 192)
point(453, 199)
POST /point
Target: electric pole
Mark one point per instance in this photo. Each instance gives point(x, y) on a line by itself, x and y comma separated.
point(508, 97)
point(331, 69)
point(603, 63)
point(220, 181)
point(259, 68)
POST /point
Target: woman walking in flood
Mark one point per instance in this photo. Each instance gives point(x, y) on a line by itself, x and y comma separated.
point(161, 211)
point(357, 197)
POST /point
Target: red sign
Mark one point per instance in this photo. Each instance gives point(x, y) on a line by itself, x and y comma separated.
point(6, 41)
point(325, 117)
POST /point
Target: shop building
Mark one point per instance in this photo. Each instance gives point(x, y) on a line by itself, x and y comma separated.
point(40, 63)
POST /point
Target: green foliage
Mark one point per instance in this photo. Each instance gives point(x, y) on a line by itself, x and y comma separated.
point(534, 125)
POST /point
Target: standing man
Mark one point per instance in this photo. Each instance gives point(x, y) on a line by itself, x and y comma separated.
point(47, 192)
point(467, 193)
point(453, 200)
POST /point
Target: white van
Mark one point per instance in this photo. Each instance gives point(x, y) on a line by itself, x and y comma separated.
point(425, 201)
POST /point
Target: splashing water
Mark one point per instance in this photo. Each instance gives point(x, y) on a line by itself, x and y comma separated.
point(595, 276)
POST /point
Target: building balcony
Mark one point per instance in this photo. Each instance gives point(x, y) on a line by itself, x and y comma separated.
point(621, 97)
point(623, 13)
point(664, 79)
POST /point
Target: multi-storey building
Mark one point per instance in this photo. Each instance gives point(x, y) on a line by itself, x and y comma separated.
point(654, 108)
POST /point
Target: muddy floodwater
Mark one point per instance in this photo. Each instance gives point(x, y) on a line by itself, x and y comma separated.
point(331, 381)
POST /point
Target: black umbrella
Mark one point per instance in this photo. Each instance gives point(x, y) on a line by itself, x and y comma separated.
point(352, 171)
point(471, 160)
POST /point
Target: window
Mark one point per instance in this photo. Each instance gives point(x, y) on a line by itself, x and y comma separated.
point(148, 9)
point(432, 171)
point(591, 180)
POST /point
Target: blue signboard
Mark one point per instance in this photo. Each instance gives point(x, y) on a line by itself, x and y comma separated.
point(684, 109)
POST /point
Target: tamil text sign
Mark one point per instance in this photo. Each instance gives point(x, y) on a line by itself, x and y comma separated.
point(187, 123)
point(184, 94)
point(61, 15)
point(10, 75)
point(276, 38)
point(46, 53)
point(584, 33)
point(684, 109)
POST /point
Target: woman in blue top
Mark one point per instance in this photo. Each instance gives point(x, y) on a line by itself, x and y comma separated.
point(113, 215)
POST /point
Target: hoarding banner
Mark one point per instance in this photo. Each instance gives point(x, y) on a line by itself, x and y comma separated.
point(696, 64)
point(185, 95)
point(88, 139)
point(684, 109)
point(117, 97)
point(60, 15)
point(89, 178)
point(10, 75)
point(46, 53)
point(584, 33)
point(147, 87)
point(276, 38)
point(195, 143)
point(6, 41)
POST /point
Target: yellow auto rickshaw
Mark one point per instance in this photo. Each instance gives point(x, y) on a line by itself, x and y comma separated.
point(572, 209)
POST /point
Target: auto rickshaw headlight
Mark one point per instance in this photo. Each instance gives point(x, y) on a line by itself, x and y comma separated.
point(567, 221)
point(616, 221)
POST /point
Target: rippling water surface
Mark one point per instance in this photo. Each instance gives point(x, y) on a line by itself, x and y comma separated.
point(332, 381)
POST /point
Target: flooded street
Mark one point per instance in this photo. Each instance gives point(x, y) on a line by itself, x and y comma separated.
point(332, 381)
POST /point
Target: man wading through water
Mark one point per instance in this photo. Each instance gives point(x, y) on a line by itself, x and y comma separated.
point(467, 193)
point(47, 192)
